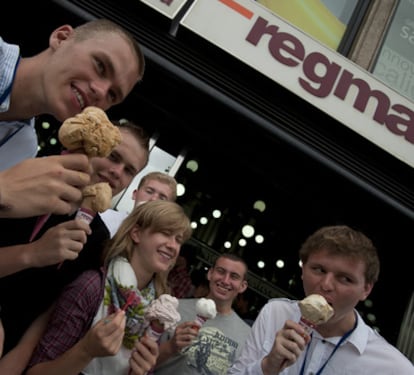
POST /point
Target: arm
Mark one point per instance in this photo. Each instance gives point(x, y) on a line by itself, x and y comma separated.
point(184, 335)
point(16, 360)
point(272, 345)
point(102, 340)
point(59, 243)
point(43, 185)
point(69, 343)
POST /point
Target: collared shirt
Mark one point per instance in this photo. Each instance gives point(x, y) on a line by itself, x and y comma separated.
point(18, 139)
point(363, 352)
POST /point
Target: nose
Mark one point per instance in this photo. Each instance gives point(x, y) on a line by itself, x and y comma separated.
point(327, 282)
point(100, 89)
point(116, 170)
point(172, 243)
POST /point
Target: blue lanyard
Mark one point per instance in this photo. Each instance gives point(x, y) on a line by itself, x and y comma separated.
point(343, 338)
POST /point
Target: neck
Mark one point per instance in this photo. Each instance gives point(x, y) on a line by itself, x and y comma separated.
point(222, 307)
point(143, 275)
point(338, 327)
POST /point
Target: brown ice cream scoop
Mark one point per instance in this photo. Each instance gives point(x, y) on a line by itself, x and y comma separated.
point(97, 197)
point(91, 132)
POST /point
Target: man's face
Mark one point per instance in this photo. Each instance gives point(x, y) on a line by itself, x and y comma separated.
point(340, 279)
point(121, 166)
point(99, 71)
point(227, 280)
point(152, 190)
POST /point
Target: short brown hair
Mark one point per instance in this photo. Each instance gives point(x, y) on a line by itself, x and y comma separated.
point(344, 241)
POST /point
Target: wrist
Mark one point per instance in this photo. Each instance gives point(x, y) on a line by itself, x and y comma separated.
point(268, 367)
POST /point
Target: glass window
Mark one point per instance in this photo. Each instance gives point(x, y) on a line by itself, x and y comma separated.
point(395, 61)
point(325, 20)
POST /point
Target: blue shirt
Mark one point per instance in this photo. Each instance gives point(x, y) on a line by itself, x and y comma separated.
point(18, 139)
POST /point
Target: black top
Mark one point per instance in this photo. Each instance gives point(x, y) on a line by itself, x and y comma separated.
point(26, 294)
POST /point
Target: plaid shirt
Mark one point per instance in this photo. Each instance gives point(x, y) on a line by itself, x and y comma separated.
point(72, 317)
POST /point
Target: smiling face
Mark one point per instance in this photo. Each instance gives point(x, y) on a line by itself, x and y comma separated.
point(98, 71)
point(227, 280)
point(156, 251)
point(122, 165)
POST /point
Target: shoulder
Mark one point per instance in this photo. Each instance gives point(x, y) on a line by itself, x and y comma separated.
point(88, 282)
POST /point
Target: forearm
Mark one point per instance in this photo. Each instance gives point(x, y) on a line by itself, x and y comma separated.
point(14, 259)
point(72, 362)
point(17, 359)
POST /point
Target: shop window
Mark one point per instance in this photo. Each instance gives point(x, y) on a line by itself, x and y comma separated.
point(331, 22)
point(395, 59)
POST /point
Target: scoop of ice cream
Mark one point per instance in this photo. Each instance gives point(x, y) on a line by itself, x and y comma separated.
point(206, 308)
point(90, 131)
point(164, 310)
point(315, 309)
point(97, 197)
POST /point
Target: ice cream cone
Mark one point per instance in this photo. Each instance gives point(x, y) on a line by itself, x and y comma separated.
point(162, 314)
point(314, 310)
point(205, 309)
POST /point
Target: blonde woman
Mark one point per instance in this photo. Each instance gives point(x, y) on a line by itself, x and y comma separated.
point(98, 324)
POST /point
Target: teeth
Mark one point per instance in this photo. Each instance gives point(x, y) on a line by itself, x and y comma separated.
point(79, 97)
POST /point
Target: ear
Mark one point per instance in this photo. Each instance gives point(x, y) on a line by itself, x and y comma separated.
point(135, 234)
point(243, 286)
point(59, 35)
point(367, 290)
point(134, 194)
point(210, 270)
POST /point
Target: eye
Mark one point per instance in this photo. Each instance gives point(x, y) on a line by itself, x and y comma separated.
point(112, 95)
point(100, 67)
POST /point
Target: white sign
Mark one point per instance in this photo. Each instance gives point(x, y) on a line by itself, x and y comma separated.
point(168, 8)
point(312, 71)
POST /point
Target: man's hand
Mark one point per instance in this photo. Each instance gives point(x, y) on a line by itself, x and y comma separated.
point(43, 185)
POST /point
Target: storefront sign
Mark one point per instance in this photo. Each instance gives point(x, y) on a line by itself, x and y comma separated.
point(168, 8)
point(312, 71)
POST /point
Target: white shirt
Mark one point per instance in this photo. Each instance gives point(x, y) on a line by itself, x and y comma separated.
point(364, 352)
point(113, 219)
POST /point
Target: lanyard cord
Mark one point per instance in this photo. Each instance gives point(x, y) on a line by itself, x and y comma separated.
point(343, 338)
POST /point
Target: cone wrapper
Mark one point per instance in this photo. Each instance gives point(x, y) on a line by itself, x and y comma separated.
point(85, 214)
point(155, 330)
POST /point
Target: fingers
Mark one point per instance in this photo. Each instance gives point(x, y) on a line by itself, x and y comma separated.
point(38, 186)
point(143, 356)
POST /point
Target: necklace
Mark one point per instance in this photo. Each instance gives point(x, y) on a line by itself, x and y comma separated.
point(343, 338)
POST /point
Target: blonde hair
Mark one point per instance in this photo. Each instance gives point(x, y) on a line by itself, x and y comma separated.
point(164, 178)
point(158, 216)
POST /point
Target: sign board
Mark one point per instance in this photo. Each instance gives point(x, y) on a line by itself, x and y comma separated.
point(316, 73)
point(168, 8)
